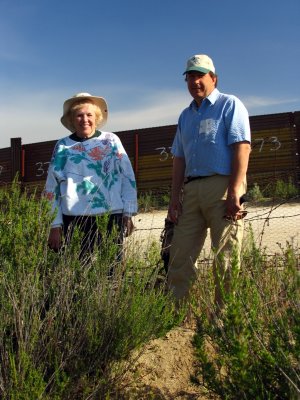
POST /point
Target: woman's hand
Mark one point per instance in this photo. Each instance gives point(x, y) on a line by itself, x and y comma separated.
point(128, 226)
point(55, 238)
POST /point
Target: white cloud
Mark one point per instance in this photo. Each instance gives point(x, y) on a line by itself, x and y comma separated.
point(160, 109)
point(35, 117)
point(262, 103)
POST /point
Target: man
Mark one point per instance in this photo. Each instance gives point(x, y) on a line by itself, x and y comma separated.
point(211, 152)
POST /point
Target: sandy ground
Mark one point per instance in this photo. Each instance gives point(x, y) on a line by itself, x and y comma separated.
point(272, 226)
point(164, 367)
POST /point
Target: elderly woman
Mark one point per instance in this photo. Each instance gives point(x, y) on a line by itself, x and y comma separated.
point(90, 174)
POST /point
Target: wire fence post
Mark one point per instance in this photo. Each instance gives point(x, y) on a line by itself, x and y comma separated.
point(16, 158)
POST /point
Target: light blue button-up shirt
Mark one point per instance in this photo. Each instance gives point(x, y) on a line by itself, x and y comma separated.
point(205, 134)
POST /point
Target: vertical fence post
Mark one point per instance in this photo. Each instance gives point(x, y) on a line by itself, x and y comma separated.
point(296, 126)
point(136, 156)
point(16, 156)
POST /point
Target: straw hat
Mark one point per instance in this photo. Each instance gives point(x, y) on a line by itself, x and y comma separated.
point(98, 101)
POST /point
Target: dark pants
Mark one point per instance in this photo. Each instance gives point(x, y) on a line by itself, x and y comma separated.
point(87, 226)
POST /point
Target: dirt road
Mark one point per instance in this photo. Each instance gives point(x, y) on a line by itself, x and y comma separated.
point(272, 226)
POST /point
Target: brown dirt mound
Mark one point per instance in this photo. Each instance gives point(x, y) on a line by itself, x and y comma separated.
point(163, 369)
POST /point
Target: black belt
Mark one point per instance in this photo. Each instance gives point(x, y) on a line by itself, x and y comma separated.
point(189, 179)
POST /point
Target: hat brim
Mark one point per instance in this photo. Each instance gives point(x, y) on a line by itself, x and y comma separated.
point(98, 101)
point(197, 69)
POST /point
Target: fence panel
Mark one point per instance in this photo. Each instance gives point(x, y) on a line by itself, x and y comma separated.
point(152, 155)
point(37, 157)
point(275, 153)
point(5, 166)
point(274, 148)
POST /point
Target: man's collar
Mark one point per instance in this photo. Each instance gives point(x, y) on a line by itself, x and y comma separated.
point(212, 98)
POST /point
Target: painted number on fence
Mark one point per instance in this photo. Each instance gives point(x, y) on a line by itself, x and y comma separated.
point(164, 153)
point(42, 168)
point(261, 142)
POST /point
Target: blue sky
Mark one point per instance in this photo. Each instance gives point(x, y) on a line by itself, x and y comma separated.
point(133, 53)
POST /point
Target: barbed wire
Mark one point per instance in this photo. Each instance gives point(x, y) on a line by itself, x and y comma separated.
point(247, 219)
point(259, 221)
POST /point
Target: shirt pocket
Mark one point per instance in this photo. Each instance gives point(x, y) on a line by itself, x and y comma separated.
point(208, 130)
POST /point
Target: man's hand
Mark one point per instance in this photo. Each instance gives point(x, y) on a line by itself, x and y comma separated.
point(232, 205)
point(234, 209)
point(175, 210)
point(241, 152)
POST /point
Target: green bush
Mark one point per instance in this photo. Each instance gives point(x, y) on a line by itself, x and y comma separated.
point(149, 201)
point(255, 193)
point(278, 189)
point(67, 330)
point(252, 351)
point(285, 189)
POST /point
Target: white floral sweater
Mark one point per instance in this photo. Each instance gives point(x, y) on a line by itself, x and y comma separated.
point(90, 177)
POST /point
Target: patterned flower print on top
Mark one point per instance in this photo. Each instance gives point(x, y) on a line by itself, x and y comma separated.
point(91, 178)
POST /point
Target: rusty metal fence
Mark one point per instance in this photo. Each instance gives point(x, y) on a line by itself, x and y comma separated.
point(275, 154)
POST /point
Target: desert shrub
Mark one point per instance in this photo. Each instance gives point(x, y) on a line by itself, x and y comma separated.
point(153, 200)
point(146, 202)
point(254, 193)
point(252, 351)
point(282, 189)
point(278, 189)
point(67, 329)
point(285, 189)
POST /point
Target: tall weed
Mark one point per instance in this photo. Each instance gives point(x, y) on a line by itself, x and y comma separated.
point(67, 329)
point(252, 351)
